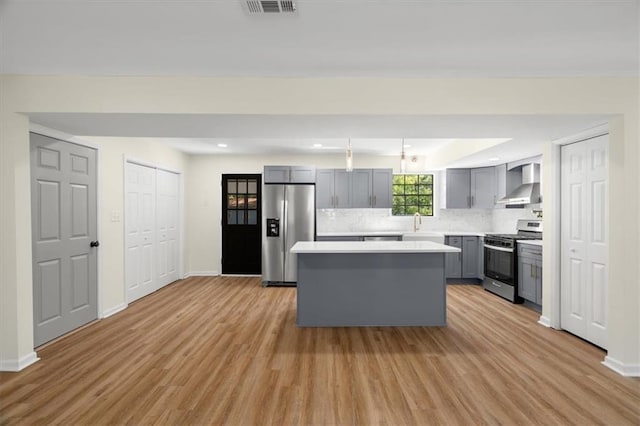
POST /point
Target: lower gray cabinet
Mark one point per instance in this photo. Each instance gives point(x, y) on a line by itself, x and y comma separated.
point(453, 261)
point(340, 238)
point(470, 253)
point(530, 273)
point(467, 263)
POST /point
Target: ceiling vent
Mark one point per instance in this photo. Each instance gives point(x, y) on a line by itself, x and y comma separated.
point(270, 6)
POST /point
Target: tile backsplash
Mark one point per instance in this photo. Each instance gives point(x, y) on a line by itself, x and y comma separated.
point(372, 220)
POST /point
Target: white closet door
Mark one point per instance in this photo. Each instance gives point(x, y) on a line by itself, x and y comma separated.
point(584, 239)
point(167, 231)
point(140, 231)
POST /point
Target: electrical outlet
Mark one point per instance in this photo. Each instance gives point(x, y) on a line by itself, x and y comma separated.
point(115, 216)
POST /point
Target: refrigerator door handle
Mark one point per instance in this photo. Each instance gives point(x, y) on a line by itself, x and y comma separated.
point(285, 219)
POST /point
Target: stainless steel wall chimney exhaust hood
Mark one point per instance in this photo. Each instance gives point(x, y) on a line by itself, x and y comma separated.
point(529, 191)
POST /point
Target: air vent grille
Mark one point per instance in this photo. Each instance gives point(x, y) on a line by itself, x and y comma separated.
point(270, 6)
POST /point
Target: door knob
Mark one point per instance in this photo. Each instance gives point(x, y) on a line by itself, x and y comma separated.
point(94, 244)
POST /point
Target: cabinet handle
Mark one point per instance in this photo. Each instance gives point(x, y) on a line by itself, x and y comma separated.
point(375, 201)
point(532, 274)
point(473, 200)
point(337, 201)
point(370, 200)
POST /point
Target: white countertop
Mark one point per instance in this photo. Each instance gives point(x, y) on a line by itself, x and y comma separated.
point(371, 247)
point(530, 242)
point(396, 233)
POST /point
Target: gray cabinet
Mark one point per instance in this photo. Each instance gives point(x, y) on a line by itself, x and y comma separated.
point(382, 188)
point(453, 261)
point(530, 273)
point(470, 253)
point(361, 188)
point(458, 188)
point(342, 189)
point(340, 238)
point(289, 174)
point(465, 264)
point(324, 188)
point(483, 187)
point(471, 188)
point(333, 189)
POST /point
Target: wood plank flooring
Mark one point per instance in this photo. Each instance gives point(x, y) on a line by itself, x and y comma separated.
point(221, 350)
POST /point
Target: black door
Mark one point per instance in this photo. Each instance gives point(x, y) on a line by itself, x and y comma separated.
point(241, 224)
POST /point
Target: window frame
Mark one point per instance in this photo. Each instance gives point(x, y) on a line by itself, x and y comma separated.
point(433, 195)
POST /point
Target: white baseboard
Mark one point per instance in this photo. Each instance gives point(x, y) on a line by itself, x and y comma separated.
point(201, 274)
point(544, 321)
point(18, 364)
point(627, 370)
point(114, 310)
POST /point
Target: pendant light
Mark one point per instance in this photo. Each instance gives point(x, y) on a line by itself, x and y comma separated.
point(349, 156)
point(403, 160)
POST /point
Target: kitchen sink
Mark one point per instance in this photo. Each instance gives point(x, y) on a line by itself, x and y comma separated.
point(436, 237)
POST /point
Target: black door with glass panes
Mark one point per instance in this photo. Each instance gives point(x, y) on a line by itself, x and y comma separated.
point(241, 224)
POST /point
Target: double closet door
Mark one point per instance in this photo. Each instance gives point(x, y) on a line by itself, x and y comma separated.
point(151, 229)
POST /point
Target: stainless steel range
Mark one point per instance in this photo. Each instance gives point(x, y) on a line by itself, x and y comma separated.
point(501, 259)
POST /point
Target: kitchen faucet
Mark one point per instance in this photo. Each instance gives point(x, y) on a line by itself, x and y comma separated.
point(417, 221)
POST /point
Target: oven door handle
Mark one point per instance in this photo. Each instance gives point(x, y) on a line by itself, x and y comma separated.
point(508, 250)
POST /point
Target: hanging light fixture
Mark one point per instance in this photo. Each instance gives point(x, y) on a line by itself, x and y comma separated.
point(403, 160)
point(349, 156)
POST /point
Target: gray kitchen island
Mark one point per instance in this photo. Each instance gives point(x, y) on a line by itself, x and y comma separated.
point(371, 283)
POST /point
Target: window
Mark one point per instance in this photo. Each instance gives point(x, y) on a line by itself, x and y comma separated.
point(412, 194)
point(242, 202)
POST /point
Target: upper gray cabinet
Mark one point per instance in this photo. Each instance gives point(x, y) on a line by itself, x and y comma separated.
point(458, 188)
point(382, 191)
point(484, 188)
point(289, 174)
point(333, 189)
point(471, 188)
point(361, 188)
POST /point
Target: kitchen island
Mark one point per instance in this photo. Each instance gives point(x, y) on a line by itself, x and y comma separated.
point(371, 283)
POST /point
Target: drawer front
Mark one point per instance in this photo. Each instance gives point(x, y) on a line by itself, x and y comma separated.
point(455, 241)
point(529, 250)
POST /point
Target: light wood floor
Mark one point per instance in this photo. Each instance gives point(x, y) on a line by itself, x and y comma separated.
point(227, 351)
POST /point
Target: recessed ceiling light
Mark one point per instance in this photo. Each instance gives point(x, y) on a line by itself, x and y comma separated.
point(406, 145)
point(317, 145)
point(222, 145)
point(494, 159)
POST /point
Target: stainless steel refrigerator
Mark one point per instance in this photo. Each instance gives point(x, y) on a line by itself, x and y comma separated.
point(289, 216)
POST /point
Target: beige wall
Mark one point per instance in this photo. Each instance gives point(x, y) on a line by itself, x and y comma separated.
point(616, 97)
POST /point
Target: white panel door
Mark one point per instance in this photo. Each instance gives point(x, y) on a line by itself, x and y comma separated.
point(140, 231)
point(167, 229)
point(584, 236)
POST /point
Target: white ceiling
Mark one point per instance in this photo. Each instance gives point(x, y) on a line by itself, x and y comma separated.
point(395, 38)
point(325, 38)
